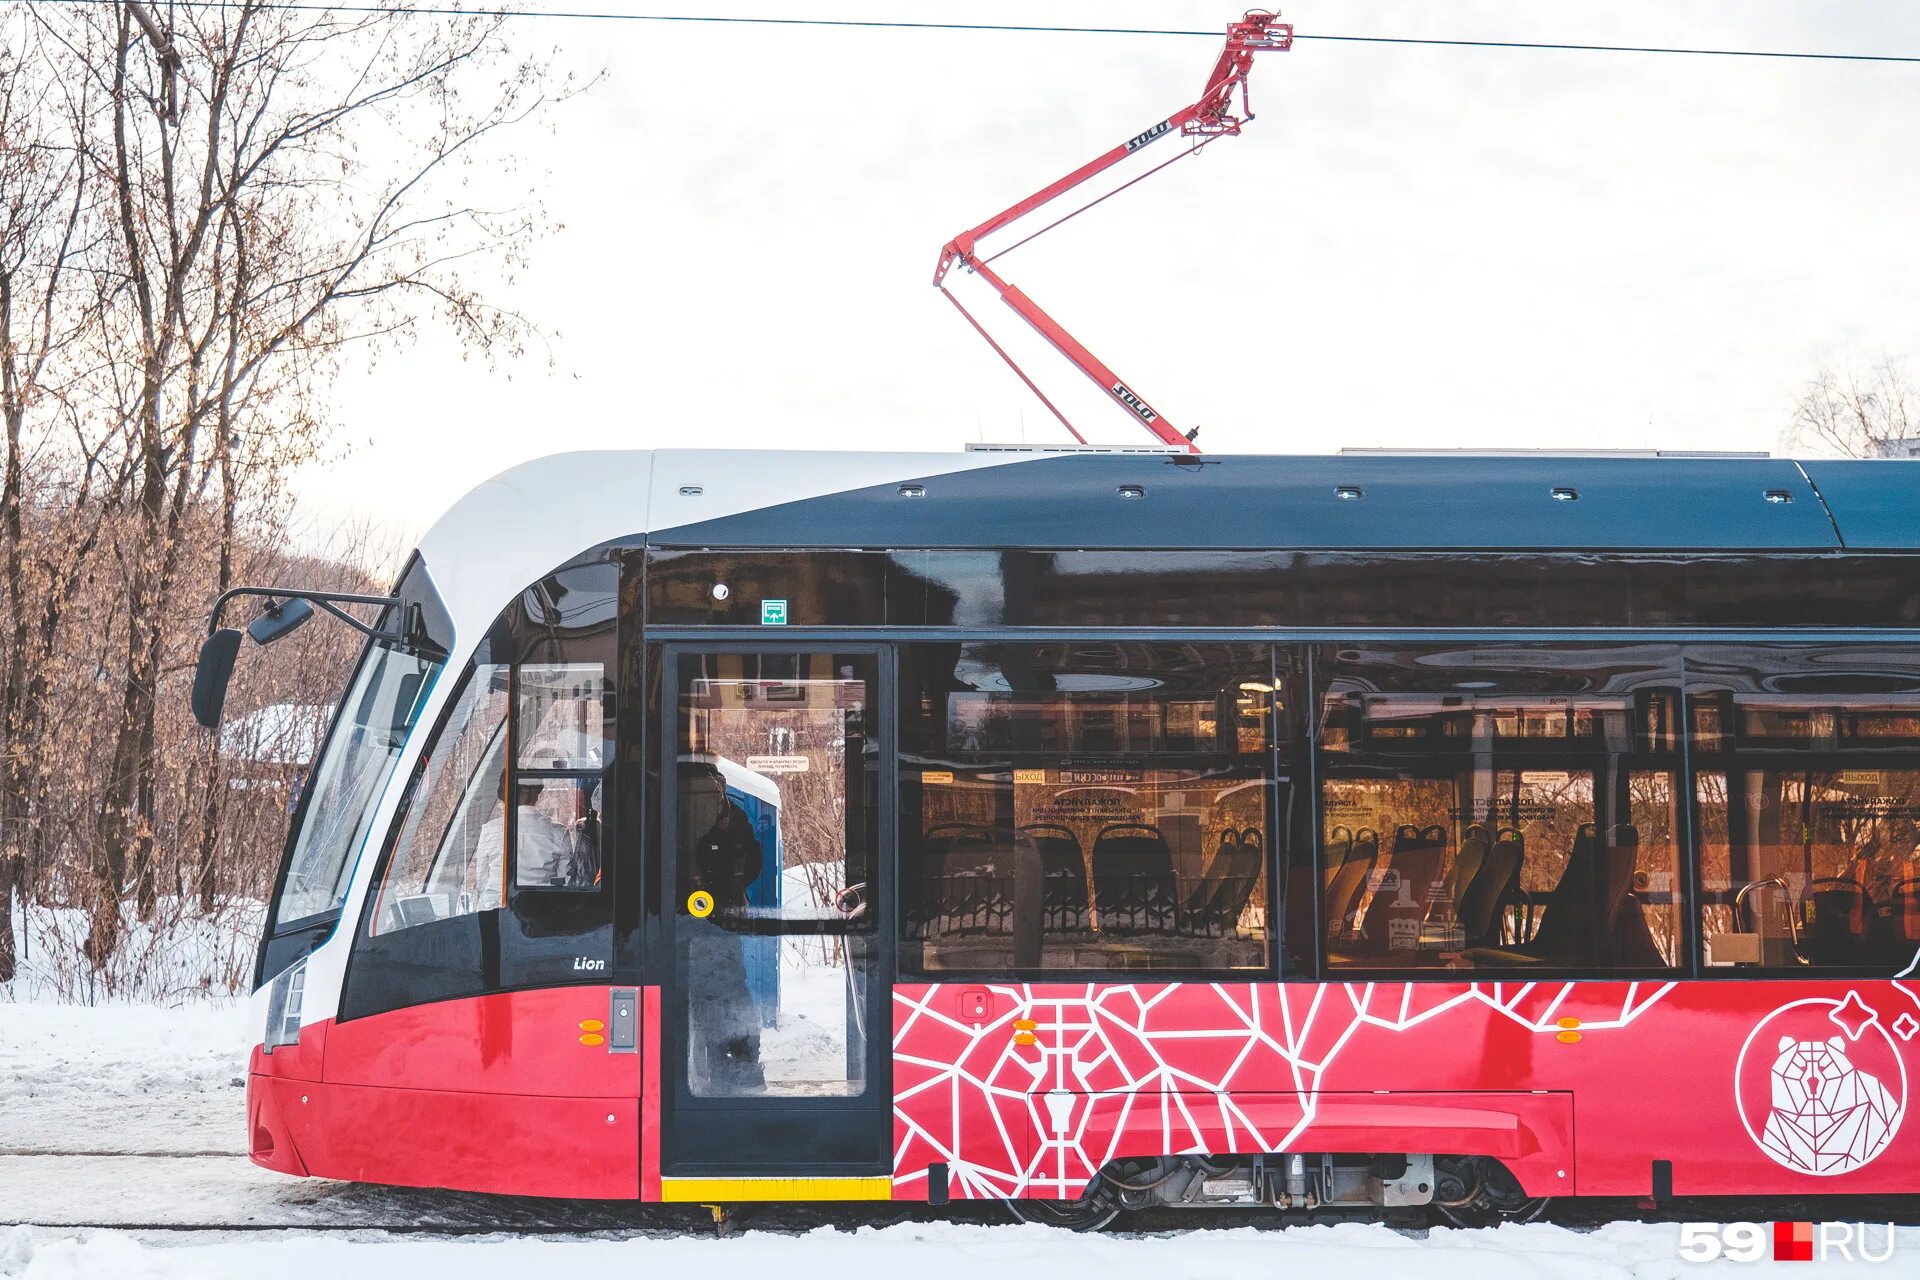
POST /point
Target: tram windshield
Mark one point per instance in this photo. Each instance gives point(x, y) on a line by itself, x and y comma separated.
point(368, 736)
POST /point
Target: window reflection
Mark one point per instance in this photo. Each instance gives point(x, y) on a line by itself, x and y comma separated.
point(1086, 806)
point(773, 822)
point(1807, 786)
point(447, 863)
point(1500, 808)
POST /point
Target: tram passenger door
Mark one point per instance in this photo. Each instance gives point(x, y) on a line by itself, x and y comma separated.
point(774, 1040)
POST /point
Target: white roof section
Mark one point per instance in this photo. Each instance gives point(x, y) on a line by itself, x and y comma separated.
point(533, 517)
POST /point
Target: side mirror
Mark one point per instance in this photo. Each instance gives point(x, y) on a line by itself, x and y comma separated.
point(278, 619)
point(211, 675)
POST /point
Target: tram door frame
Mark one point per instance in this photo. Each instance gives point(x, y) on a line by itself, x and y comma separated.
point(775, 1136)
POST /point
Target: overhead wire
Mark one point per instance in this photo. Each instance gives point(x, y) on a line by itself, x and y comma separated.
point(589, 15)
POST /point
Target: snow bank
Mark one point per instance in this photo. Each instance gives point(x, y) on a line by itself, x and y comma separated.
point(924, 1251)
point(180, 953)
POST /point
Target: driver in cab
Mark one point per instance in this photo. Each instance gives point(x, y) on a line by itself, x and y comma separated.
point(545, 847)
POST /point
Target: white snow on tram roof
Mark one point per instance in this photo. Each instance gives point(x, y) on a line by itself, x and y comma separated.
point(532, 517)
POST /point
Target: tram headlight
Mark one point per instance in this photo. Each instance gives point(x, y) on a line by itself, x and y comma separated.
point(283, 1007)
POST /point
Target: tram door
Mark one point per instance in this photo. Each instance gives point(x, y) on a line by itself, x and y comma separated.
point(775, 1036)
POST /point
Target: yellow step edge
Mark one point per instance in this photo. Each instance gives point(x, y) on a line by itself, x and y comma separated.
point(740, 1190)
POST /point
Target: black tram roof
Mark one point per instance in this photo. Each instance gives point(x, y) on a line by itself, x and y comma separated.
point(1518, 502)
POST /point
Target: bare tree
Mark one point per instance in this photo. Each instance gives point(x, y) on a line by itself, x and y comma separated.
point(236, 195)
point(1870, 413)
point(44, 229)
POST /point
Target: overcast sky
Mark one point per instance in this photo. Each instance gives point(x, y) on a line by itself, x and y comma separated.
point(1409, 247)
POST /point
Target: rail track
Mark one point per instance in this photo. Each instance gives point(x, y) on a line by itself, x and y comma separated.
point(186, 1193)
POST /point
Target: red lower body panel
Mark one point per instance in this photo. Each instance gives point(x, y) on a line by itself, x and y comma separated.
point(517, 1093)
point(585, 1148)
point(1746, 1087)
point(270, 1136)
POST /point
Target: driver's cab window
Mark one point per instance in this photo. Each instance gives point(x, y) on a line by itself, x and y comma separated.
point(498, 874)
point(448, 861)
point(558, 798)
point(477, 833)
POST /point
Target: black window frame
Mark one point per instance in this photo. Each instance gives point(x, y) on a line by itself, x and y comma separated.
point(1673, 758)
point(1283, 763)
point(1711, 676)
point(477, 960)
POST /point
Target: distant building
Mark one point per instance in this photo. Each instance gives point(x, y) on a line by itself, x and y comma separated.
point(274, 746)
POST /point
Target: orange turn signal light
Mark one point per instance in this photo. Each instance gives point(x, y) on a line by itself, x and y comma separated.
point(1026, 1024)
point(1568, 1037)
point(593, 1024)
point(590, 1039)
point(1569, 1023)
point(1025, 1037)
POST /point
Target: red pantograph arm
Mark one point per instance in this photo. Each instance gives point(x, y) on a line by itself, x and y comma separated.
point(1209, 117)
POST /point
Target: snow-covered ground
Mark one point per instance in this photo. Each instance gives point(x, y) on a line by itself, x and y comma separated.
point(121, 1125)
point(122, 1079)
point(178, 953)
point(925, 1251)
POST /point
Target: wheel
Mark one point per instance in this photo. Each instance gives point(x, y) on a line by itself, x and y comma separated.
point(1480, 1192)
point(1095, 1208)
point(1526, 1210)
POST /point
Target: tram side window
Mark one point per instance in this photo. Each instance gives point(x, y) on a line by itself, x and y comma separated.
point(1083, 806)
point(1807, 795)
point(1500, 808)
point(452, 858)
point(560, 724)
point(447, 862)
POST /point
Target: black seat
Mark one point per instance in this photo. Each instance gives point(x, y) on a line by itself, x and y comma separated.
point(1903, 920)
point(1835, 912)
point(1417, 856)
point(1592, 916)
point(1629, 941)
point(1200, 891)
point(968, 885)
point(1336, 851)
point(1347, 881)
point(1445, 922)
point(1242, 878)
point(1497, 885)
point(1567, 922)
point(1065, 869)
point(1133, 882)
point(1214, 901)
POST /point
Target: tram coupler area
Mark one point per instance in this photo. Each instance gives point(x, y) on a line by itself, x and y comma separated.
point(1290, 1181)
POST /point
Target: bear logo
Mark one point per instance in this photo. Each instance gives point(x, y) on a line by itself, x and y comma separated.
point(1827, 1116)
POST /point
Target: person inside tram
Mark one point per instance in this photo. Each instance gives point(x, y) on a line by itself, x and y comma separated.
point(726, 858)
point(546, 848)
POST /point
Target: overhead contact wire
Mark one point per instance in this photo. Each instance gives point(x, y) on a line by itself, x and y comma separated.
point(589, 15)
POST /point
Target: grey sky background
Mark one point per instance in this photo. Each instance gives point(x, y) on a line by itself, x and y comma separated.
point(1410, 247)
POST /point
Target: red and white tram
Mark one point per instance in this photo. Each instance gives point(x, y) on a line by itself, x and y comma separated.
point(1092, 831)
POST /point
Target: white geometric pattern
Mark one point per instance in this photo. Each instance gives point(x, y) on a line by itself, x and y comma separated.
point(1081, 1067)
point(1828, 1115)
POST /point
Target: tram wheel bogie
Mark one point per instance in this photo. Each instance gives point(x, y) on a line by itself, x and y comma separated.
point(1291, 1182)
